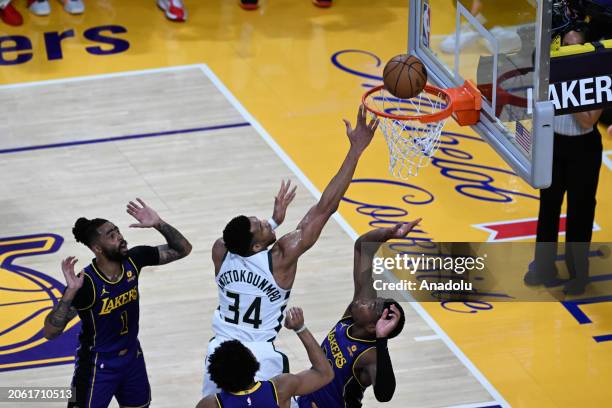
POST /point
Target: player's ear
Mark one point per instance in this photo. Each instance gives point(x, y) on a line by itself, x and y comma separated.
point(256, 247)
point(96, 248)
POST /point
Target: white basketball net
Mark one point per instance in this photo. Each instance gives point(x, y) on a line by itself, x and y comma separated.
point(411, 143)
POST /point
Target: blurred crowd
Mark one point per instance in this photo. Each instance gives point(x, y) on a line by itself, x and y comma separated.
point(174, 10)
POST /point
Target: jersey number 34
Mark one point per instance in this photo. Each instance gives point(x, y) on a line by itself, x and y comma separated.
point(251, 316)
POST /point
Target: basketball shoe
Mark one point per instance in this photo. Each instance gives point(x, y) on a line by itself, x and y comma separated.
point(249, 4)
point(174, 9)
point(322, 3)
point(74, 6)
point(39, 7)
point(9, 14)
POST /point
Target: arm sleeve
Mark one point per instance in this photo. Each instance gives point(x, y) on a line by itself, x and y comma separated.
point(85, 297)
point(384, 386)
point(144, 256)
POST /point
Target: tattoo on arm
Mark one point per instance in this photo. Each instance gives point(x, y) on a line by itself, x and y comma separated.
point(178, 247)
point(59, 317)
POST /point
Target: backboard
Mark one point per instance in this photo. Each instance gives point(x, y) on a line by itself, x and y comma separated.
point(504, 48)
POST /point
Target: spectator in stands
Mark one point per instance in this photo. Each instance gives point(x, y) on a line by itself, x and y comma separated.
point(175, 9)
point(253, 4)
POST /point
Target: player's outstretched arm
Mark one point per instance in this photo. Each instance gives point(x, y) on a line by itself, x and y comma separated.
point(177, 246)
point(375, 367)
point(307, 232)
point(307, 381)
point(63, 312)
point(366, 247)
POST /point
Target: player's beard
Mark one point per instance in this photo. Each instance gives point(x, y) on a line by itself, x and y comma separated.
point(113, 254)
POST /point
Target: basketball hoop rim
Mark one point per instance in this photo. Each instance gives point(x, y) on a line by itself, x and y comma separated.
point(428, 118)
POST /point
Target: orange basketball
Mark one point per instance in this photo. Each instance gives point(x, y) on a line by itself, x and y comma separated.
point(405, 76)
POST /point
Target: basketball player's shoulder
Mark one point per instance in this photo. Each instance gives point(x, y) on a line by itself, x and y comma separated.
point(287, 241)
point(284, 385)
point(281, 249)
point(346, 319)
point(219, 250)
point(143, 255)
point(208, 402)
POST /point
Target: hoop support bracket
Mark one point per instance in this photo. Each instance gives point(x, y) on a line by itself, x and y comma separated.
point(466, 103)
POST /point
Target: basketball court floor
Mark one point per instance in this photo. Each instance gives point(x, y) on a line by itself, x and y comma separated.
point(202, 121)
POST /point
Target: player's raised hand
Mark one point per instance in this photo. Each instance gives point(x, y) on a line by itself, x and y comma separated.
point(387, 322)
point(361, 136)
point(282, 201)
point(146, 216)
point(74, 282)
point(294, 318)
point(402, 229)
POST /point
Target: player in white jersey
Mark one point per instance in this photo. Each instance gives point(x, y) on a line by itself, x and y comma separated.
point(254, 272)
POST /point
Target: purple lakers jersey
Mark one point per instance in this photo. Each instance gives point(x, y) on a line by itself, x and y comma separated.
point(262, 395)
point(343, 351)
point(109, 311)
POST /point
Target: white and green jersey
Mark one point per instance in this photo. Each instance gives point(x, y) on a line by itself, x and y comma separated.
point(251, 304)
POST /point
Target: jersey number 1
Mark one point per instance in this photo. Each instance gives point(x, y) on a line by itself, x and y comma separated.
point(124, 323)
point(252, 314)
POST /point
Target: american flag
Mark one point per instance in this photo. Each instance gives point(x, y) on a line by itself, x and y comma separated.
point(523, 137)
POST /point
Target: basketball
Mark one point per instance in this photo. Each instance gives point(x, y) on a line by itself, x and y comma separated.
point(405, 76)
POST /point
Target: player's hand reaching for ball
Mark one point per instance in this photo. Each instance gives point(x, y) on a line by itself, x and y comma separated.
point(74, 282)
point(282, 200)
point(387, 322)
point(361, 136)
point(146, 216)
point(294, 318)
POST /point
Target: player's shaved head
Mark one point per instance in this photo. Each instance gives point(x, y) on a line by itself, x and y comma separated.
point(233, 366)
point(86, 231)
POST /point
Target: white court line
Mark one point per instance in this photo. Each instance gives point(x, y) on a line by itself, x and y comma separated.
point(99, 76)
point(299, 174)
point(449, 343)
point(476, 405)
point(427, 338)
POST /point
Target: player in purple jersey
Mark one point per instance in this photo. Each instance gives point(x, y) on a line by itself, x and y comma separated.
point(357, 345)
point(233, 367)
point(109, 361)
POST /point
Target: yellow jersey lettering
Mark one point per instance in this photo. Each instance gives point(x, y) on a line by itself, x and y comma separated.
point(108, 304)
point(335, 350)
